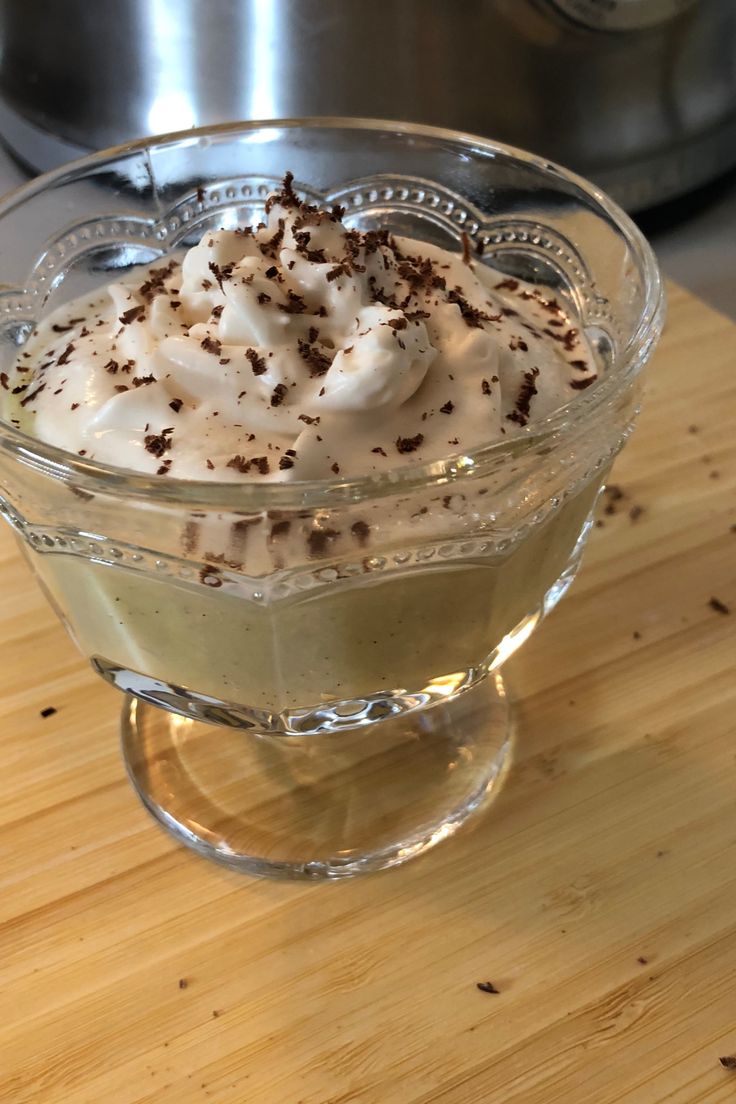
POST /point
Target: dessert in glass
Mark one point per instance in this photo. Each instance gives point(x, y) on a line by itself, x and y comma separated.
point(303, 426)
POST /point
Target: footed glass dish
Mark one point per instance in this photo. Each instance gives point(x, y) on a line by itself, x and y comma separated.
point(320, 707)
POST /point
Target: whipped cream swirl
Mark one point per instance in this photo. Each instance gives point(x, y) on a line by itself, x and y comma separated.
point(297, 349)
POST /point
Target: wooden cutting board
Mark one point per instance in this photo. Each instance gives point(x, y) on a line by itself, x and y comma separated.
point(598, 895)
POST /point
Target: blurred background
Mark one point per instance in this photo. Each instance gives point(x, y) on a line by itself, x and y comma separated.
point(638, 95)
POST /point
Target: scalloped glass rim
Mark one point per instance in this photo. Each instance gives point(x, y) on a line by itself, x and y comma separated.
point(94, 476)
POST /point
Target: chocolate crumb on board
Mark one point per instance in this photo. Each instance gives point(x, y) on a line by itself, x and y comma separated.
point(183, 983)
point(719, 606)
point(642, 960)
point(635, 512)
point(48, 711)
point(636, 634)
point(728, 1061)
point(486, 987)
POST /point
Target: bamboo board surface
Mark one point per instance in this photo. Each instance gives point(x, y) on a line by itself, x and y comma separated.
point(598, 894)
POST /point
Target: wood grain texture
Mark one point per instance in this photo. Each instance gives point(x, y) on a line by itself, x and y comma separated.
point(598, 894)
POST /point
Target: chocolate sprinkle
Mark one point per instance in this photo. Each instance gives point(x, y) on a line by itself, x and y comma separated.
point(278, 394)
point(486, 987)
point(485, 387)
point(527, 391)
point(158, 443)
point(257, 363)
point(239, 463)
point(581, 384)
point(31, 397)
point(221, 273)
point(176, 405)
point(472, 317)
point(447, 408)
point(317, 362)
point(4, 380)
point(295, 304)
point(409, 444)
point(132, 315)
point(66, 354)
point(212, 345)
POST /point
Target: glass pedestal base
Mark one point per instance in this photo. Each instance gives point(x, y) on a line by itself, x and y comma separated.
point(324, 805)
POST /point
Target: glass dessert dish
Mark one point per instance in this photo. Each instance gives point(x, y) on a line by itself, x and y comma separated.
point(312, 670)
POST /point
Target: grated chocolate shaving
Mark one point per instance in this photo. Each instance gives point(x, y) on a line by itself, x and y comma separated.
point(581, 384)
point(278, 394)
point(257, 363)
point(135, 314)
point(158, 443)
point(211, 345)
point(317, 362)
point(409, 444)
point(66, 354)
point(527, 391)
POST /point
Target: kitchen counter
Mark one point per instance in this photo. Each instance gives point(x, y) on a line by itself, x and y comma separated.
point(597, 895)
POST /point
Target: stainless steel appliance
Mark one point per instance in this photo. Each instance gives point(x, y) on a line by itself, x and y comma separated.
point(639, 95)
